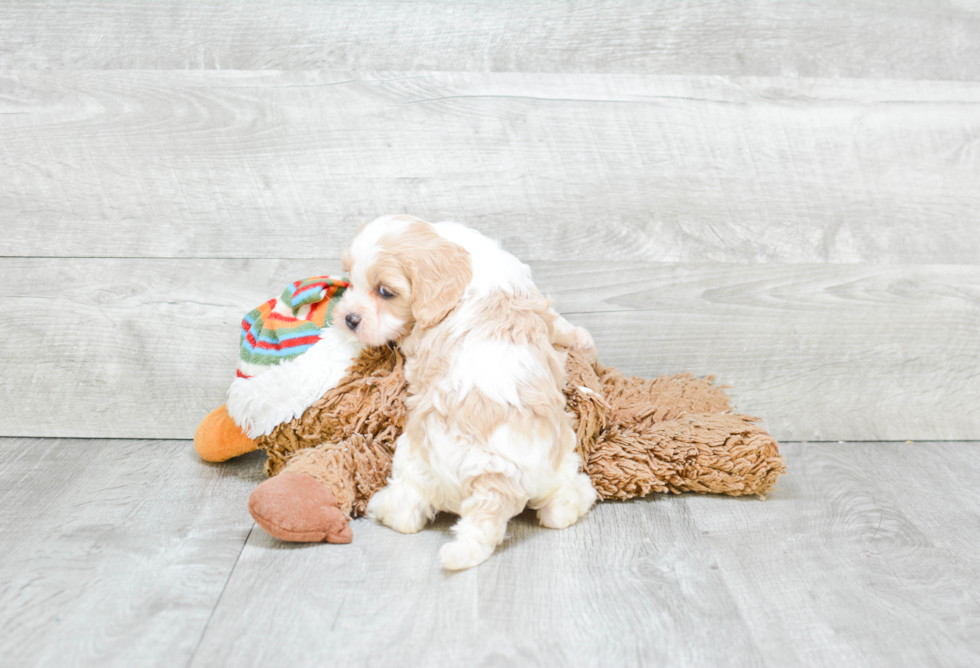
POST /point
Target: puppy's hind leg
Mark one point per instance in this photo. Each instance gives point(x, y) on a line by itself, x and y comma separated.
point(484, 514)
point(571, 498)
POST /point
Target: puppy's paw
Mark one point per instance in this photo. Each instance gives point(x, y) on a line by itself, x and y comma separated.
point(558, 515)
point(569, 503)
point(462, 554)
point(574, 338)
point(400, 507)
point(580, 339)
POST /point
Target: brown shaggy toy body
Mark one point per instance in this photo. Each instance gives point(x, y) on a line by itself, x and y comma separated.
point(636, 436)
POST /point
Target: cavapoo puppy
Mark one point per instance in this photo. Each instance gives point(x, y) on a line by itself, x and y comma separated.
point(487, 433)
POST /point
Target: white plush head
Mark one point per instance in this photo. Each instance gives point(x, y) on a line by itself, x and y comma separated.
point(403, 276)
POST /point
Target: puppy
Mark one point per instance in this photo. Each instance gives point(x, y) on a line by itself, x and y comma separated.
point(487, 433)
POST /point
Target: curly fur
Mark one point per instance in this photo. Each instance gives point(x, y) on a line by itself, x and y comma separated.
point(636, 436)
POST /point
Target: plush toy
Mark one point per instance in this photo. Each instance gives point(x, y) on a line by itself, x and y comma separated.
point(272, 335)
point(329, 417)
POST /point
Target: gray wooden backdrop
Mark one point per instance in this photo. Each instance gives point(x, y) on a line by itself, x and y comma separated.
point(784, 195)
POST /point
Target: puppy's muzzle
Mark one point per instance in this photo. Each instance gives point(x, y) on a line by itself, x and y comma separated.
point(352, 320)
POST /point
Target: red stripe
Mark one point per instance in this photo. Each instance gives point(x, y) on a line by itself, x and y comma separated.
point(240, 374)
point(265, 345)
point(285, 345)
point(284, 321)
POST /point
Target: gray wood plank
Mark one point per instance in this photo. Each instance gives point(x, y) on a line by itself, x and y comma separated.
point(829, 571)
point(919, 39)
point(113, 552)
point(844, 565)
point(949, 471)
point(821, 352)
point(626, 587)
point(560, 166)
point(127, 348)
point(145, 348)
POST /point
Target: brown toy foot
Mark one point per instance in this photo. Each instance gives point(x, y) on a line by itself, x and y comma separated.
point(218, 438)
point(299, 509)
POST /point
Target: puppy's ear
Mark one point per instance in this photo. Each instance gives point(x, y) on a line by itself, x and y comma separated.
point(439, 271)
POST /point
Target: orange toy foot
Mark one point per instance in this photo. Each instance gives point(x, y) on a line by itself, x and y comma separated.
point(218, 438)
point(300, 509)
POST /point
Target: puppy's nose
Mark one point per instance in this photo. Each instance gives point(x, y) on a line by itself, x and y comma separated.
point(352, 320)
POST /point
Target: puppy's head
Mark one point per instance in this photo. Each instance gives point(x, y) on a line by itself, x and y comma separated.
point(403, 276)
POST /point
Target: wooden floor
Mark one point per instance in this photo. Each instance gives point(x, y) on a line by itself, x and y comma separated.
point(782, 194)
point(126, 553)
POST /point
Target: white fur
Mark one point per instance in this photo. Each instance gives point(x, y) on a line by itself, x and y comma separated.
point(359, 298)
point(484, 480)
point(283, 392)
point(493, 267)
point(365, 244)
point(496, 269)
point(496, 368)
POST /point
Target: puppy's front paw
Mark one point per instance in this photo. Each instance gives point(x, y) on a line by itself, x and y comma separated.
point(400, 507)
point(462, 554)
point(580, 339)
point(575, 338)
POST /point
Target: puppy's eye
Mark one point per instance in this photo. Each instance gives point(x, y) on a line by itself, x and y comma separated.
point(385, 292)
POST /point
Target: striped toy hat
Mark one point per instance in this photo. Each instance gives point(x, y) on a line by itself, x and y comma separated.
point(284, 328)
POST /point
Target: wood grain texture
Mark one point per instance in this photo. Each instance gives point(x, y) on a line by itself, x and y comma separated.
point(918, 39)
point(847, 565)
point(949, 472)
point(780, 194)
point(113, 552)
point(559, 166)
point(832, 570)
point(145, 348)
point(628, 586)
point(117, 347)
point(821, 352)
